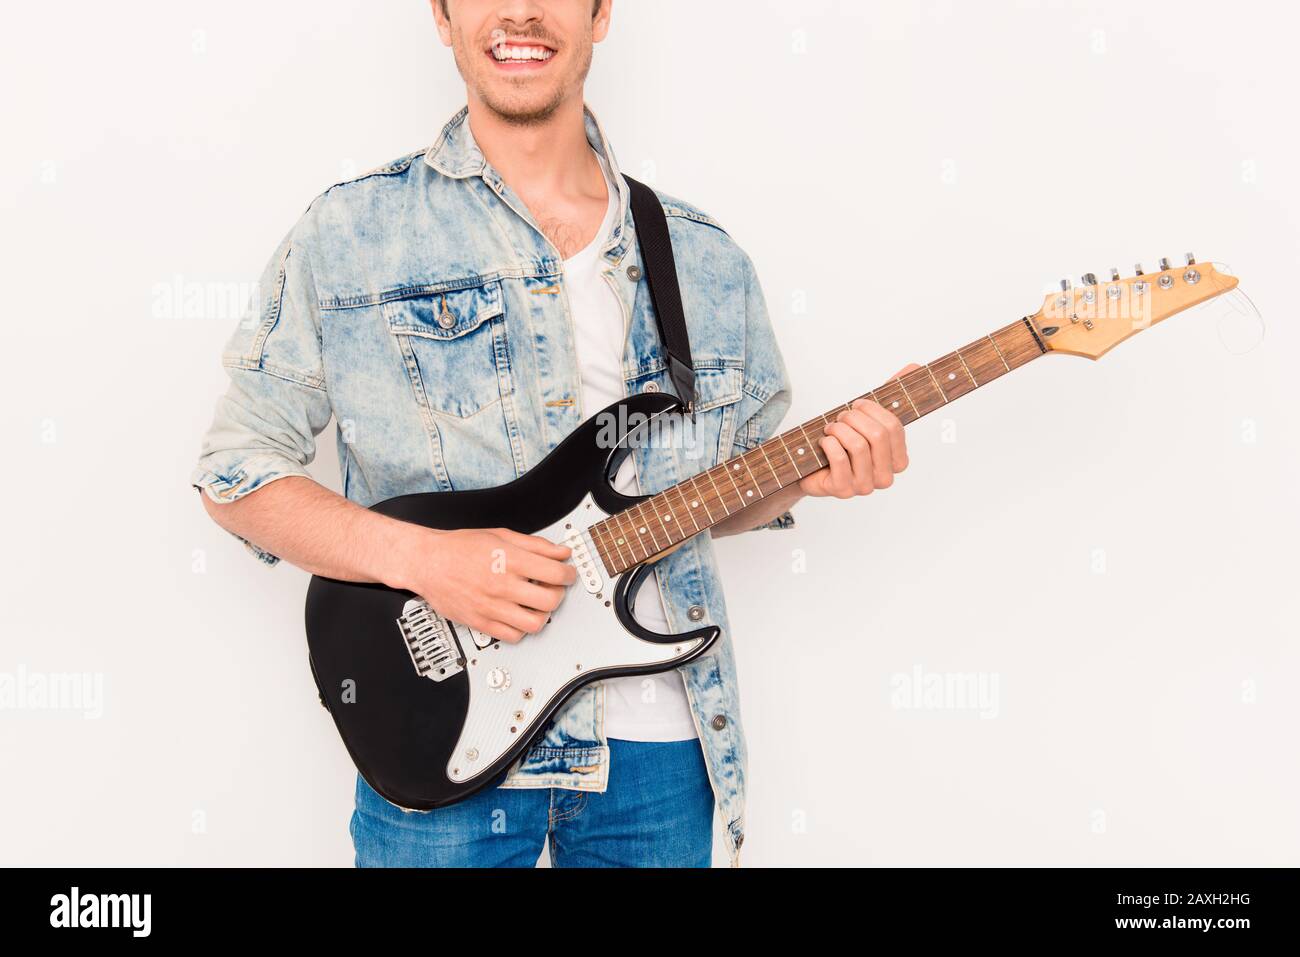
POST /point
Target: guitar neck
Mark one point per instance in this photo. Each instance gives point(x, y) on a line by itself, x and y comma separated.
point(662, 521)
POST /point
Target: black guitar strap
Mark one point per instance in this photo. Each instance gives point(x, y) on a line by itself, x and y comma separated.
point(665, 294)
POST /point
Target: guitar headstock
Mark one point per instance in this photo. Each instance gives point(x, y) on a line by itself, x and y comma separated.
point(1093, 318)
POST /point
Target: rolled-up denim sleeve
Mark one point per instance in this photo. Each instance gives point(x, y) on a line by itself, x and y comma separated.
point(265, 426)
point(767, 394)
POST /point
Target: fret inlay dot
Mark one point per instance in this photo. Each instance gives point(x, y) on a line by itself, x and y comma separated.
point(798, 451)
point(695, 504)
point(641, 530)
point(736, 467)
point(951, 376)
point(749, 492)
point(894, 405)
point(666, 518)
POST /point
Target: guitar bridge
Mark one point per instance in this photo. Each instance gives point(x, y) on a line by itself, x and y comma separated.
point(429, 639)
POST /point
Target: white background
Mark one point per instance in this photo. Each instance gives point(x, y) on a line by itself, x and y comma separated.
point(1113, 543)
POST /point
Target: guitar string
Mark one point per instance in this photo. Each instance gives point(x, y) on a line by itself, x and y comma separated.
point(610, 526)
point(613, 544)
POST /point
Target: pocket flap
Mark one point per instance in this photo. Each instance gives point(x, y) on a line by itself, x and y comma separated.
point(444, 315)
point(715, 387)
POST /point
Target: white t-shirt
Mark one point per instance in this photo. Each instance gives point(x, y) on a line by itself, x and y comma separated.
point(648, 707)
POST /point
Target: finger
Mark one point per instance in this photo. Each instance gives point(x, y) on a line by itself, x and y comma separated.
point(854, 431)
point(535, 544)
point(840, 484)
point(529, 594)
point(893, 429)
point(909, 368)
point(546, 570)
point(874, 430)
point(527, 620)
point(498, 630)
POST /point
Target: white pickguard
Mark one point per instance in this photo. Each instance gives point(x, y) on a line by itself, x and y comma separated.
point(511, 684)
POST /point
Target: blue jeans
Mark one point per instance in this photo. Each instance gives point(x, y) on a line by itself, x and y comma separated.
point(656, 812)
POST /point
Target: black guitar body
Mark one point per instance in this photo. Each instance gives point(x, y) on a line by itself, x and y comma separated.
point(431, 711)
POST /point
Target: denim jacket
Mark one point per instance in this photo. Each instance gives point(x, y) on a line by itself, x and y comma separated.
point(421, 307)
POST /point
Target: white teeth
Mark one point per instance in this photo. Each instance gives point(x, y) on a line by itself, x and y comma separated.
point(505, 52)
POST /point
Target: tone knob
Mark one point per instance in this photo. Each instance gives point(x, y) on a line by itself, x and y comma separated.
point(498, 679)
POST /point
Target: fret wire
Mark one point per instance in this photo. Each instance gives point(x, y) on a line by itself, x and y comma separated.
point(681, 494)
point(651, 523)
point(616, 557)
point(1015, 327)
point(903, 386)
point(679, 532)
point(962, 359)
point(658, 522)
point(594, 531)
point(717, 491)
point(745, 461)
point(893, 403)
point(632, 540)
point(618, 533)
point(786, 446)
point(668, 527)
point(999, 352)
point(824, 423)
point(949, 358)
point(689, 511)
point(812, 449)
point(704, 500)
point(936, 384)
point(642, 522)
point(725, 466)
point(770, 467)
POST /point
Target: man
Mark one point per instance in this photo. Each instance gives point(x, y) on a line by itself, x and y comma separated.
point(458, 312)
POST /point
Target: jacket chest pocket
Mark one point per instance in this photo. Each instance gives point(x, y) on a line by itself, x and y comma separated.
point(717, 397)
point(453, 344)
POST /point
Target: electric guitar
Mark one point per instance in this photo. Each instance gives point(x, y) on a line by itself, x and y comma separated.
point(443, 709)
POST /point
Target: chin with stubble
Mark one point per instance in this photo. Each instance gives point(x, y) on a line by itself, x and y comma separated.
point(523, 74)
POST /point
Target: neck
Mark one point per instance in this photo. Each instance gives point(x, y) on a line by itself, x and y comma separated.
point(550, 156)
point(659, 522)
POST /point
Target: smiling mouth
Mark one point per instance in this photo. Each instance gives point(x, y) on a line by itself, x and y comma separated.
point(519, 54)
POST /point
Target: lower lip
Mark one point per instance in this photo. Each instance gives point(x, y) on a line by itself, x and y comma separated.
point(518, 66)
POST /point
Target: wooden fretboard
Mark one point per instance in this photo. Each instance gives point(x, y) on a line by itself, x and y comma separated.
point(661, 521)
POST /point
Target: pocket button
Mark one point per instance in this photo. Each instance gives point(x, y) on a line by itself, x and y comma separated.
point(650, 386)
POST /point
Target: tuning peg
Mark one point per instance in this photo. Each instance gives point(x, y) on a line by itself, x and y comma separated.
point(1089, 290)
point(1137, 270)
point(1191, 260)
point(1164, 264)
point(1114, 274)
point(1065, 285)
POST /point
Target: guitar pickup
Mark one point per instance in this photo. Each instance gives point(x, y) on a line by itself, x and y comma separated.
point(430, 641)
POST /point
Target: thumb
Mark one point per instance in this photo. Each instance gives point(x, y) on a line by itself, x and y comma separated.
point(910, 367)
